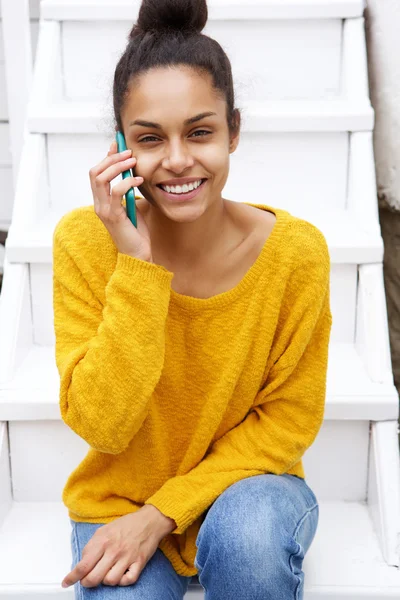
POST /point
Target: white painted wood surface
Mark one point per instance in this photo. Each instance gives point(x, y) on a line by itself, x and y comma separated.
point(343, 295)
point(2, 255)
point(40, 447)
point(384, 487)
point(31, 392)
point(15, 319)
point(218, 9)
point(300, 73)
point(7, 183)
point(372, 332)
point(357, 237)
point(38, 535)
point(6, 498)
point(18, 70)
point(354, 243)
point(275, 116)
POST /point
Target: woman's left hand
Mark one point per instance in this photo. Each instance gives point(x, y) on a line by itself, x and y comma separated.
point(126, 543)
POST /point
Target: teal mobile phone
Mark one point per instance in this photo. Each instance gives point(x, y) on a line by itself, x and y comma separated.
point(130, 194)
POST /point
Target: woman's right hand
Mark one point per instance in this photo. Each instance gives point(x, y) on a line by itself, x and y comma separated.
point(108, 207)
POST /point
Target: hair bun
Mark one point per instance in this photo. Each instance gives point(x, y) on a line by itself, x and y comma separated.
point(167, 16)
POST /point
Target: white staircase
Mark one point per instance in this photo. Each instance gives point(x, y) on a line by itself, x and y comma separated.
point(300, 76)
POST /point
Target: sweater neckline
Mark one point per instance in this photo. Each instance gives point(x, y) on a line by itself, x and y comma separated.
point(192, 303)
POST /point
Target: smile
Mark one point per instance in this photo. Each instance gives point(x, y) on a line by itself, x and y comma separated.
point(180, 196)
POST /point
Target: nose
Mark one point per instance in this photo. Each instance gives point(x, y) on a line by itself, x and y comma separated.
point(178, 158)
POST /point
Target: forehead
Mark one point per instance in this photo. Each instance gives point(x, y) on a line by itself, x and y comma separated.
point(172, 93)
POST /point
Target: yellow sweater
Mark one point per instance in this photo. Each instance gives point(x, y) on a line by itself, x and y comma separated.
point(180, 397)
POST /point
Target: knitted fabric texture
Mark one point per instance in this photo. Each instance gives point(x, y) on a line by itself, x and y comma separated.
point(180, 397)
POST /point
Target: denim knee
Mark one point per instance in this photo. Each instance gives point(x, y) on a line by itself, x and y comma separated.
point(257, 533)
point(247, 526)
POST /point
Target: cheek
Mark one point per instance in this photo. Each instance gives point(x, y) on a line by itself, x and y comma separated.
point(144, 166)
point(214, 159)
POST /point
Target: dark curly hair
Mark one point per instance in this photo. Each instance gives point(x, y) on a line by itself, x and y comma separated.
point(168, 33)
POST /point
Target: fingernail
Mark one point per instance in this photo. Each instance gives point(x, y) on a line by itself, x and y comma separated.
point(64, 585)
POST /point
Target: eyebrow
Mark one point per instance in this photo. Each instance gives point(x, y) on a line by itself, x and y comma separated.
point(187, 122)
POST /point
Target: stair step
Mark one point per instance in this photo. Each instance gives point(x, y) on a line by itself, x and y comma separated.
point(344, 560)
point(350, 392)
point(325, 115)
point(122, 10)
point(332, 173)
point(289, 49)
point(350, 239)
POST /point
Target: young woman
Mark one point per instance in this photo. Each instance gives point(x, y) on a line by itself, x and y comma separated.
point(193, 350)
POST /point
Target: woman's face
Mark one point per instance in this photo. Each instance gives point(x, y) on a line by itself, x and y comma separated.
point(168, 97)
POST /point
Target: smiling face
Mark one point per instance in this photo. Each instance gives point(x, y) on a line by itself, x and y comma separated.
point(168, 146)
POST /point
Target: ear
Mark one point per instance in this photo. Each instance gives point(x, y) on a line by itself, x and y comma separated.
point(234, 137)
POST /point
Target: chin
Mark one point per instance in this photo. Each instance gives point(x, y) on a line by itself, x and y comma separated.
point(183, 214)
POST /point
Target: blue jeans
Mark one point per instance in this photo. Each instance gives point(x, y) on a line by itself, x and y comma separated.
point(250, 546)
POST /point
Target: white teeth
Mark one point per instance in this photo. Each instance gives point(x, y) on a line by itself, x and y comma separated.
point(178, 189)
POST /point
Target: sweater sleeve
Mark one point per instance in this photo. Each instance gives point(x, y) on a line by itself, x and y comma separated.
point(109, 357)
point(288, 410)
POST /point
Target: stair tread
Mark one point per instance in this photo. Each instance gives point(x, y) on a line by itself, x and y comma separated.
point(337, 114)
point(350, 238)
point(35, 548)
point(118, 10)
point(33, 393)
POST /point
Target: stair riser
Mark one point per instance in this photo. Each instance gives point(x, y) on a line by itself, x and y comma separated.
point(121, 10)
point(343, 303)
point(25, 365)
point(274, 59)
point(317, 162)
point(277, 59)
point(44, 453)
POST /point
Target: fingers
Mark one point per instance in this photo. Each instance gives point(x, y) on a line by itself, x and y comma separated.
point(111, 167)
point(108, 570)
point(113, 148)
point(101, 188)
point(83, 567)
point(112, 210)
point(132, 575)
point(116, 573)
point(111, 159)
point(104, 172)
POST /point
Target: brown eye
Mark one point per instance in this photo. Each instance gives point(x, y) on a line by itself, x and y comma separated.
point(152, 137)
point(148, 138)
point(201, 131)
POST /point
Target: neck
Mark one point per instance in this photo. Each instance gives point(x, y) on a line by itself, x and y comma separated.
point(188, 244)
